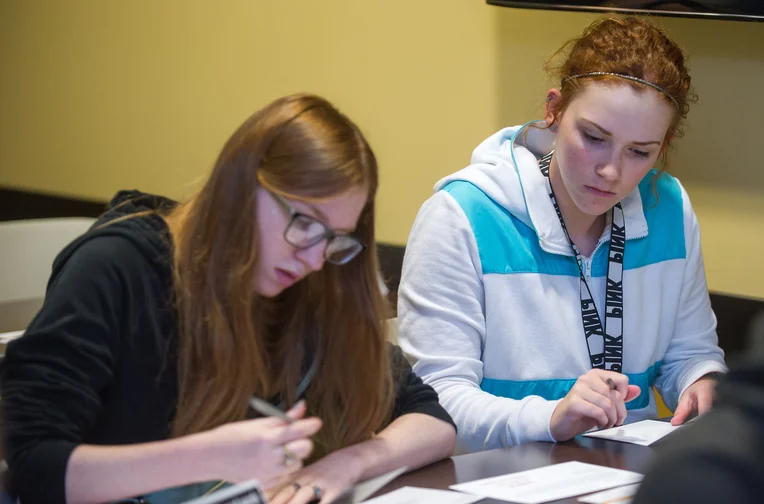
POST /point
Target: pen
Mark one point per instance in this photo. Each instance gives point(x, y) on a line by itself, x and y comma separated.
point(611, 384)
point(267, 409)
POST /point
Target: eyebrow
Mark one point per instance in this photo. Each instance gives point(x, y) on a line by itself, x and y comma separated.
point(606, 132)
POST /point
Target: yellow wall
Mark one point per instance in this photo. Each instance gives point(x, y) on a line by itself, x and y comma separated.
point(96, 96)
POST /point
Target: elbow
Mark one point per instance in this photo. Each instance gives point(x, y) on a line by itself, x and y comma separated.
point(447, 440)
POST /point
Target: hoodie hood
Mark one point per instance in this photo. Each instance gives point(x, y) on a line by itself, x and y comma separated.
point(148, 232)
point(505, 166)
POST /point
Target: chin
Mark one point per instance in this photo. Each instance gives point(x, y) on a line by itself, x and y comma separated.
point(268, 291)
point(593, 209)
point(596, 208)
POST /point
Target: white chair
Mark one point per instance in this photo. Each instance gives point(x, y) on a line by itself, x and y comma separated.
point(27, 251)
point(391, 328)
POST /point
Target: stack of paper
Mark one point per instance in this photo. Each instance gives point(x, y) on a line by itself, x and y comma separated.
point(366, 489)
point(550, 483)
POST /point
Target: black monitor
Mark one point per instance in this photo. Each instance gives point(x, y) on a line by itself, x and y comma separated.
point(740, 10)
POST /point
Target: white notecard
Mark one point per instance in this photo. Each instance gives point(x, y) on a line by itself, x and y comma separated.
point(642, 433)
point(550, 483)
point(414, 495)
point(620, 495)
point(366, 489)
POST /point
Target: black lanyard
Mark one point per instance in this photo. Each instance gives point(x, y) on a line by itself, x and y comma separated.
point(605, 346)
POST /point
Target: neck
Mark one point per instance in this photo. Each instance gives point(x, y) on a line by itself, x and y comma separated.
point(584, 229)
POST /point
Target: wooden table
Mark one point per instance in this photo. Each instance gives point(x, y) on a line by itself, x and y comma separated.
point(464, 468)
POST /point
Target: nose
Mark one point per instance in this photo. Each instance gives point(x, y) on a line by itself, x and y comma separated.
point(610, 169)
point(313, 257)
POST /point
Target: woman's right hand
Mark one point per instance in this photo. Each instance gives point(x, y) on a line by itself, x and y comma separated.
point(592, 403)
point(257, 449)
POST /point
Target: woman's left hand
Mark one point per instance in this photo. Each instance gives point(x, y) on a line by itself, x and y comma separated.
point(697, 398)
point(331, 475)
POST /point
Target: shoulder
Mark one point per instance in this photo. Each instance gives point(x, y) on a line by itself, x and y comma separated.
point(474, 202)
point(441, 222)
point(112, 254)
point(100, 258)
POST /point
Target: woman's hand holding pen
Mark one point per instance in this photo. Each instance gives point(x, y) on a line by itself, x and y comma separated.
point(597, 399)
point(266, 449)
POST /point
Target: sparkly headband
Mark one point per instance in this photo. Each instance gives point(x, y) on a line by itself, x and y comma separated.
point(627, 77)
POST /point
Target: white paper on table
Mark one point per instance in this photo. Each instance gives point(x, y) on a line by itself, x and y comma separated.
point(414, 495)
point(8, 336)
point(366, 489)
point(620, 495)
point(642, 433)
point(549, 483)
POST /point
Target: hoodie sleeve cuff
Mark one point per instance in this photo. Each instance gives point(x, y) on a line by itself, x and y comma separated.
point(39, 476)
point(699, 372)
point(534, 421)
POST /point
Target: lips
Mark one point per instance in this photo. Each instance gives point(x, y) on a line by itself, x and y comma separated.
point(600, 192)
point(286, 277)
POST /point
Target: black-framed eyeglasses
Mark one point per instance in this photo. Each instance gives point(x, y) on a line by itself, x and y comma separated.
point(305, 231)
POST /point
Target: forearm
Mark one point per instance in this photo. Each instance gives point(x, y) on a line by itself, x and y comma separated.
point(411, 440)
point(106, 473)
point(487, 421)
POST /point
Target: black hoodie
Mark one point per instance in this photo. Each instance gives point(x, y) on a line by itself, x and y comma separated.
point(97, 365)
point(720, 456)
point(87, 370)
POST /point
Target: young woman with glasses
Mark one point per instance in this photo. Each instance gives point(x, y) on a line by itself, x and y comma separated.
point(163, 320)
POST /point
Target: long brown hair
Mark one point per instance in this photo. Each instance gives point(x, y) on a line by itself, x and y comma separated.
point(627, 45)
point(234, 343)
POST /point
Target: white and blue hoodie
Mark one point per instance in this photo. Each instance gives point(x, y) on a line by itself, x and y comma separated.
point(489, 303)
